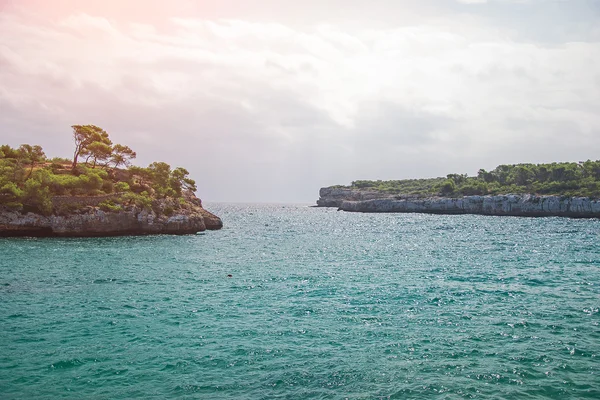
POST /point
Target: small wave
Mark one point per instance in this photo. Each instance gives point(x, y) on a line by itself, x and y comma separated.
point(106, 280)
point(67, 364)
point(199, 388)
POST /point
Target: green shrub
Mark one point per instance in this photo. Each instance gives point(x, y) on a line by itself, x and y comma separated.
point(67, 208)
point(475, 188)
point(122, 187)
point(94, 182)
point(63, 184)
point(9, 192)
point(56, 168)
point(142, 200)
point(14, 205)
point(447, 188)
point(108, 186)
point(61, 160)
point(37, 196)
point(110, 206)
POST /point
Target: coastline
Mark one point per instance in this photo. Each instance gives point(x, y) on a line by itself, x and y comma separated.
point(527, 205)
point(91, 221)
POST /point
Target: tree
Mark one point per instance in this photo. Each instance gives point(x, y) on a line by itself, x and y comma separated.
point(500, 173)
point(10, 194)
point(161, 178)
point(8, 152)
point(458, 179)
point(121, 155)
point(521, 175)
point(97, 151)
point(33, 154)
point(84, 136)
point(181, 181)
point(591, 169)
point(37, 196)
point(485, 175)
point(448, 187)
point(11, 170)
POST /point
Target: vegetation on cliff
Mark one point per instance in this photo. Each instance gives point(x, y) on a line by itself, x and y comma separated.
point(564, 179)
point(29, 180)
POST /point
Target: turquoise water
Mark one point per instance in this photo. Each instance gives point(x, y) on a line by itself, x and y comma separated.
point(321, 304)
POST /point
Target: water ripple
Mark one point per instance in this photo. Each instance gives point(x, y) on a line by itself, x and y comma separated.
point(294, 302)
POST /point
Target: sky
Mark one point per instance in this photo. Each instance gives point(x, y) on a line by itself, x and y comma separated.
point(269, 100)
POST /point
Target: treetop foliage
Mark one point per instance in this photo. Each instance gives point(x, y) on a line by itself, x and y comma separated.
point(563, 179)
point(29, 180)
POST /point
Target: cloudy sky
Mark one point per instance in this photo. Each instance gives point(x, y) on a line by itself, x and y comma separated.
point(269, 100)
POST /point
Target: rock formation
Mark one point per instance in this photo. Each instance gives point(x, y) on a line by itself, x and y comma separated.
point(91, 220)
point(516, 205)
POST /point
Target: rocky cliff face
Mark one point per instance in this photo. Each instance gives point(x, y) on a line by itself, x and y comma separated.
point(335, 196)
point(92, 221)
point(517, 205)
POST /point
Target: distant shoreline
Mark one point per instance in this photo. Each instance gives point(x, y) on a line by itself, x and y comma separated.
point(500, 205)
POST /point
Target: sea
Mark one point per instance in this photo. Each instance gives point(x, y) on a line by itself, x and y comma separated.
point(295, 302)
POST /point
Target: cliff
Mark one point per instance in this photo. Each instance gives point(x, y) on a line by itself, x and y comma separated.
point(347, 199)
point(87, 219)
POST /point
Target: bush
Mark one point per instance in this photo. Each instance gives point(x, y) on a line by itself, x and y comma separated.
point(93, 182)
point(68, 208)
point(142, 200)
point(63, 184)
point(14, 205)
point(122, 187)
point(108, 186)
point(476, 188)
point(110, 206)
point(9, 192)
point(447, 188)
point(56, 168)
point(37, 197)
point(61, 160)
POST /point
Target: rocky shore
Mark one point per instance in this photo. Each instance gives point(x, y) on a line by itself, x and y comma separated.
point(346, 199)
point(91, 220)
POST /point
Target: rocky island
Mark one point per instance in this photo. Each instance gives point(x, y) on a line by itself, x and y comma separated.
point(531, 190)
point(97, 193)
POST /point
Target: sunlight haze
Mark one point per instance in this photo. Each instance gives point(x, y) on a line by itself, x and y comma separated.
point(267, 101)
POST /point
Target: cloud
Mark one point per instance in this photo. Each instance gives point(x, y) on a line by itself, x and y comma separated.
point(271, 111)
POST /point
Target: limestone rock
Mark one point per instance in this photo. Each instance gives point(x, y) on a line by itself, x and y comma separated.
point(517, 205)
point(189, 218)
